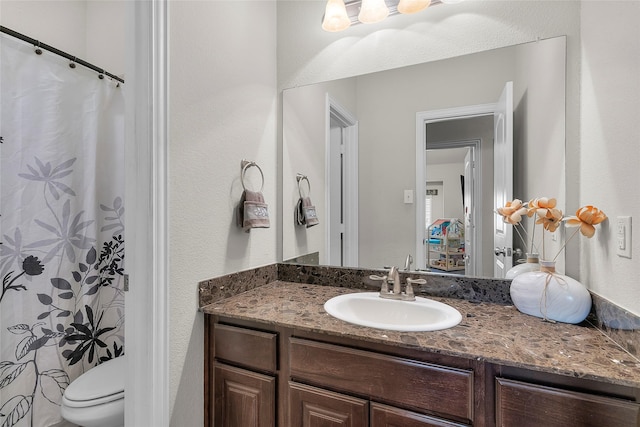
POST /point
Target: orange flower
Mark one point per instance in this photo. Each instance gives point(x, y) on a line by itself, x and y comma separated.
point(512, 212)
point(549, 218)
point(586, 217)
point(540, 206)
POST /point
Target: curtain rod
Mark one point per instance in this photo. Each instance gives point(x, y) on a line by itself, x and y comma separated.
point(76, 60)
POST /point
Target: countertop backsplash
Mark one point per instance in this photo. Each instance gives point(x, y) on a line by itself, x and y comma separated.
point(618, 324)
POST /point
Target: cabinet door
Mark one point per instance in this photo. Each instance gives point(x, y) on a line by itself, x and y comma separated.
point(243, 398)
point(389, 416)
point(529, 405)
point(315, 407)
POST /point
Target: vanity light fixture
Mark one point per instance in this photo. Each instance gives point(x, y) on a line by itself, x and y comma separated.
point(372, 11)
point(412, 6)
point(339, 15)
point(335, 16)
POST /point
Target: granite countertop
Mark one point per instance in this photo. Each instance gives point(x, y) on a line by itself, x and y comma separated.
point(492, 332)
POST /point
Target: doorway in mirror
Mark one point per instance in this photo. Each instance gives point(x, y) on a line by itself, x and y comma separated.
point(487, 179)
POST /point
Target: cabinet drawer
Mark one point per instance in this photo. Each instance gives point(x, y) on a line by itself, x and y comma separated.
point(404, 382)
point(523, 404)
point(246, 347)
point(389, 416)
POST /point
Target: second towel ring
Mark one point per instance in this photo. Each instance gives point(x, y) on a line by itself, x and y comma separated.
point(300, 178)
point(245, 164)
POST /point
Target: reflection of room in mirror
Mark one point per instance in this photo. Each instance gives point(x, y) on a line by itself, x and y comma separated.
point(434, 204)
point(386, 105)
point(463, 148)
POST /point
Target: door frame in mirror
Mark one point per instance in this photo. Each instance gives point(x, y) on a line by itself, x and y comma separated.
point(349, 124)
point(423, 118)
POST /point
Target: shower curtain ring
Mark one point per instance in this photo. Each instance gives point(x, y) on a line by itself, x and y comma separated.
point(38, 51)
point(72, 64)
point(101, 75)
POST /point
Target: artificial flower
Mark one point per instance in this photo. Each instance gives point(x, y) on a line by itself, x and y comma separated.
point(550, 218)
point(586, 217)
point(540, 206)
point(513, 211)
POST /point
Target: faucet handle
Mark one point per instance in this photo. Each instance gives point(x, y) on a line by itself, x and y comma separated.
point(408, 289)
point(385, 285)
point(411, 281)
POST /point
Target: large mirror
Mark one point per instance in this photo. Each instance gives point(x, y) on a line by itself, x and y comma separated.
point(352, 149)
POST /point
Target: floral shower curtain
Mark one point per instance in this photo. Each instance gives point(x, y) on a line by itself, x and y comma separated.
point(61, 227)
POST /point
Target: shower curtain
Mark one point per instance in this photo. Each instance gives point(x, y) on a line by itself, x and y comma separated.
point(61, 227)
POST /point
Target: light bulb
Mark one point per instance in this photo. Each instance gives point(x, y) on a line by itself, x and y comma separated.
point(372, 11)
point(412, 6)
point(335, 16)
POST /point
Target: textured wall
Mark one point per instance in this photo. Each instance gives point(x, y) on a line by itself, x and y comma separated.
point(609, 151)
point(222, 109)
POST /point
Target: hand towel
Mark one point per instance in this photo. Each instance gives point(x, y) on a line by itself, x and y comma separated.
point(252, 211)
point(306, 213)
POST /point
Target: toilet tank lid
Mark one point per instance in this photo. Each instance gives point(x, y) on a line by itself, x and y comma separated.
point(106, 379)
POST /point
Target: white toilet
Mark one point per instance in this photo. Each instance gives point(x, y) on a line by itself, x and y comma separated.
point(96, 398)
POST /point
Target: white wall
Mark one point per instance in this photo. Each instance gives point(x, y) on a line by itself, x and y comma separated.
point(223, 102)
point(303, 151)
point(609, 152)
point(449, 175)
point(91, 30)
point(539, 137)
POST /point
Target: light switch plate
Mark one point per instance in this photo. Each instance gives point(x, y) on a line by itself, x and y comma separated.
point(623, 236)
point(408, 196)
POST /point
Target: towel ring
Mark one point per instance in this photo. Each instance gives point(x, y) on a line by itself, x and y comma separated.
point(300, 178)
point(245, 164)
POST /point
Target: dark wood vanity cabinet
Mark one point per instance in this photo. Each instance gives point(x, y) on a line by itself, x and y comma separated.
point(257, 377)
point(243, 398)
point(288, 378)
point(380, 377)
point(312, 406)
point(244, 369)
point(528, 405)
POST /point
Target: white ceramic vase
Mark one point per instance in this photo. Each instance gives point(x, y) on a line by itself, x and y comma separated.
point(550, 296)
point(532, 264)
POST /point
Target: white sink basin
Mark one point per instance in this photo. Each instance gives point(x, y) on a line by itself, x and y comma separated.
point(368, 309)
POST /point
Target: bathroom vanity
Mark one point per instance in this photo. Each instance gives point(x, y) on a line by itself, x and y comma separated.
point(274, 357)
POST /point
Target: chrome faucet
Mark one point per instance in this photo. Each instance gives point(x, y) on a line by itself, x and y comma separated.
point(408, 262)
point(394, 277)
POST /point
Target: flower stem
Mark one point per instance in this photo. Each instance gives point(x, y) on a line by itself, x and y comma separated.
point(565, 243)
point(524, 242)
point(533, 233)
